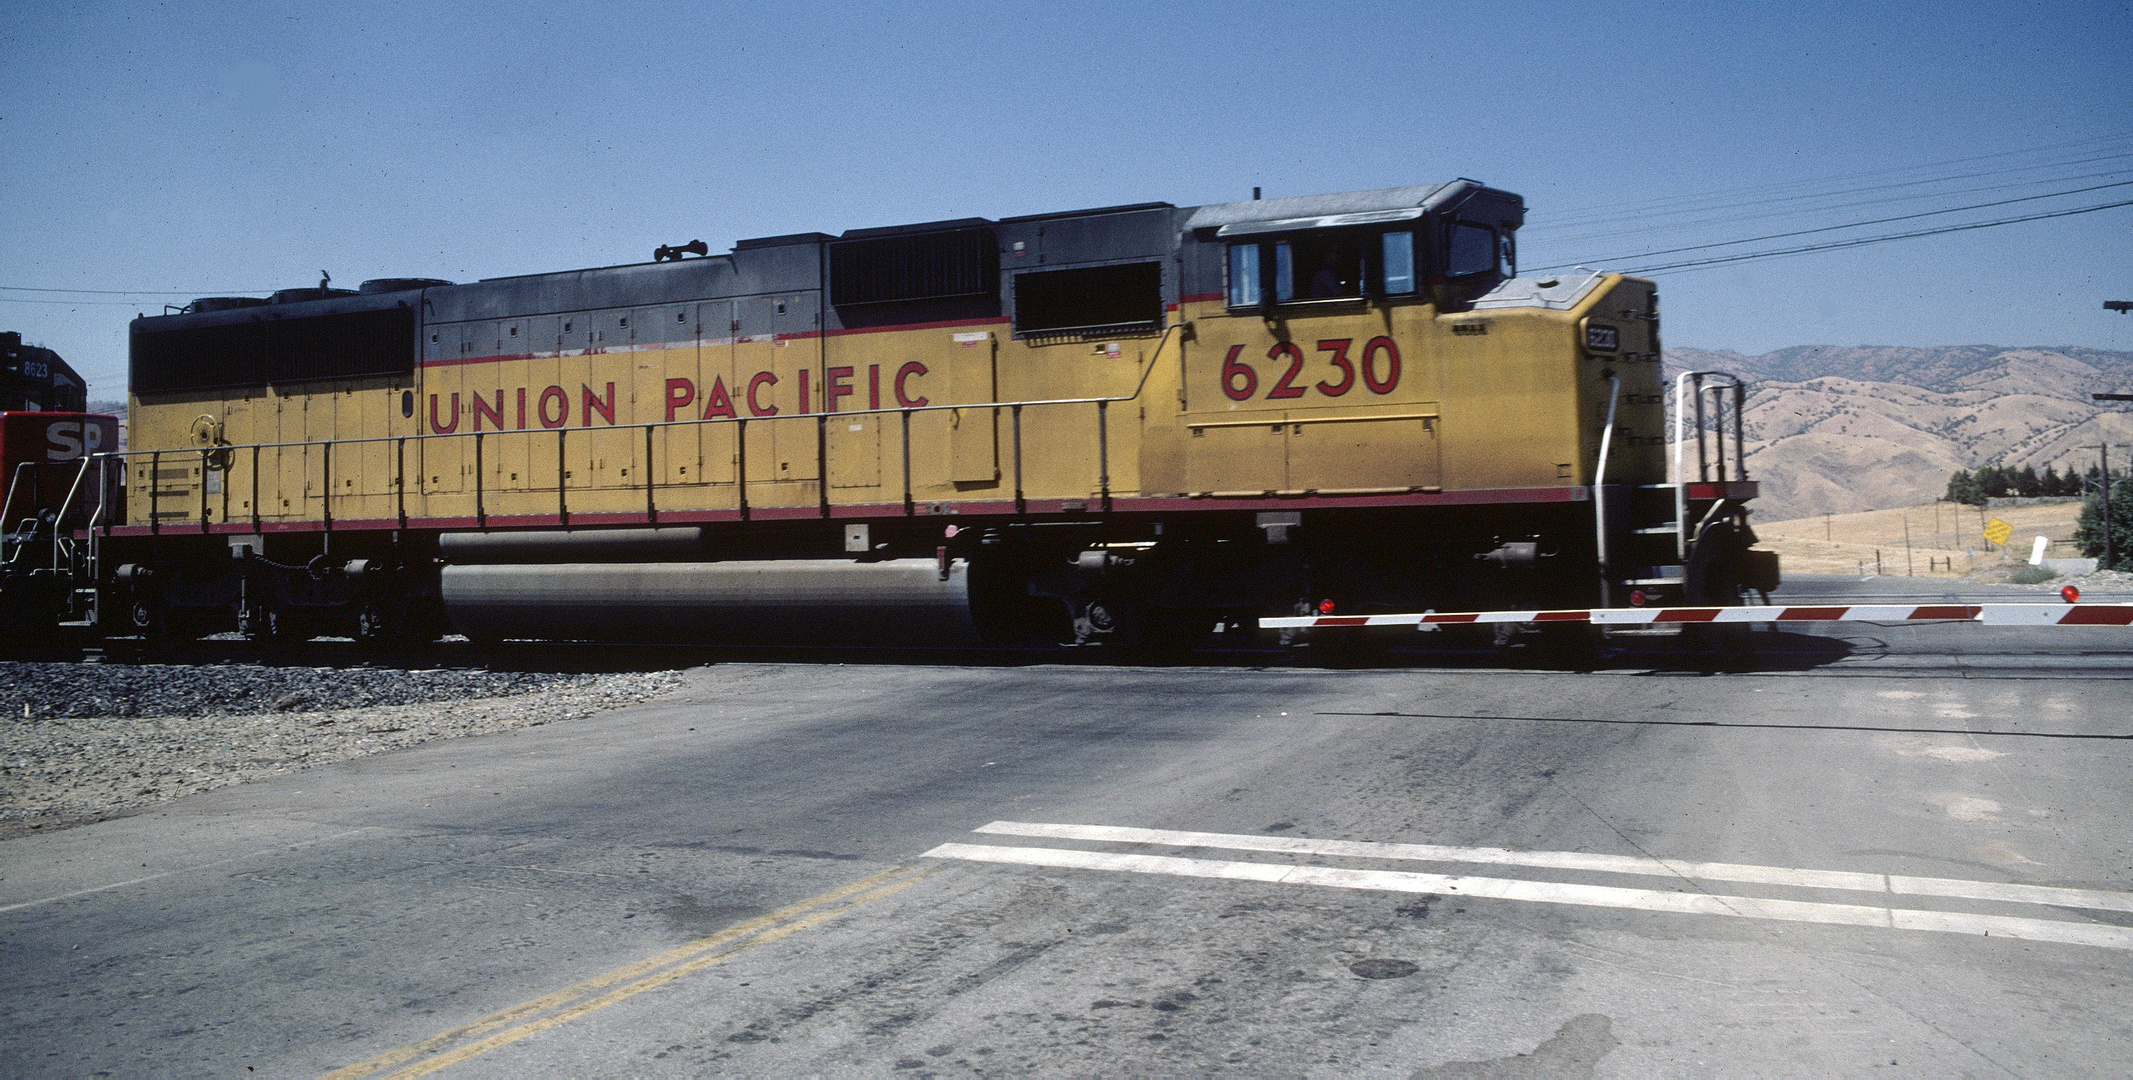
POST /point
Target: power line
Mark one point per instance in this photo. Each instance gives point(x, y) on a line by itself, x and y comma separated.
point(1834, 228)
point(69, 303)
point(2088, 145)
point(1862, 241)
point(1625, 229)
point(1877, 188)
point(133, 292)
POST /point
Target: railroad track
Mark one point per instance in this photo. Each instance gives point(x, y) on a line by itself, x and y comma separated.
point(1857, 648)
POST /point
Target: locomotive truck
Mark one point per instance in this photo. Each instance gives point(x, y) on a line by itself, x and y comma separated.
point(1134, 424)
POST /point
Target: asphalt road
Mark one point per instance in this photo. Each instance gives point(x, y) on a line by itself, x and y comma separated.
point(1871, 848)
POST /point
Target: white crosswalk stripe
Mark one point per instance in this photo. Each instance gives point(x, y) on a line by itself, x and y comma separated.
point(1586, 895)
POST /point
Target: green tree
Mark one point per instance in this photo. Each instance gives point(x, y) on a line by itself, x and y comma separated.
point(1992, 481)
point(2089, 533)
point(2027, 483)
point(2050, 480)
point(1962, 488)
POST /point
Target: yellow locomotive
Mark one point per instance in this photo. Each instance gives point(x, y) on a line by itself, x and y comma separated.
point(1133, 423)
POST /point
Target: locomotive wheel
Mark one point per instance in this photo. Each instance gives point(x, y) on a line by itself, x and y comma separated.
point(379, 624)
point(1714, 580)
point(156, 622)
point(272, 627)
point(1290, 635)
point(1713, 572)
point(1351, 644)
point(251, 622)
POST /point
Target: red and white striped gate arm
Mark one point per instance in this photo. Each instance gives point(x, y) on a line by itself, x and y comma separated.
point(1986, 614)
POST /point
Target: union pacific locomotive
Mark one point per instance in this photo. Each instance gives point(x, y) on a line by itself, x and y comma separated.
point(1135, 424)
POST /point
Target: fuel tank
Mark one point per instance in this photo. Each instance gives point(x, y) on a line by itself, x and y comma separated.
point(767, 602)
point(669, 544)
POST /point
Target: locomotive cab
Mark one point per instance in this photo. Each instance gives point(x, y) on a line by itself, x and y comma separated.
point(1446, 251)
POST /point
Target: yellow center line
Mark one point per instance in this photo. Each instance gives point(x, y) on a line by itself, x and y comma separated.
point(503, 1038)
point(676, 955)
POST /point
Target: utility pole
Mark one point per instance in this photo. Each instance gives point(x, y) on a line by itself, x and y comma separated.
point(2120, 306)
point(2103, 451)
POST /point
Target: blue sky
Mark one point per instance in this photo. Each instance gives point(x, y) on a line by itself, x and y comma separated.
point(195, 149)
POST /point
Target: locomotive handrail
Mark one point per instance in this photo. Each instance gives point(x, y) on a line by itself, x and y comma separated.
point(1599, 489)
point(103, 503)
point(14, 483)
point(1103, 477)
point(1137, 389)
point(1703, 469)
point(60, 535)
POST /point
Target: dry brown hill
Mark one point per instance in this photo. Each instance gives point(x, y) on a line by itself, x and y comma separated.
point(1838, 430)
point(1928, 540)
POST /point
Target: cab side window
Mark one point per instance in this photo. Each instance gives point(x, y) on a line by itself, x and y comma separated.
point(1244, 275)
point(1331, 265)
point(1398, 260)
point(1324, 267)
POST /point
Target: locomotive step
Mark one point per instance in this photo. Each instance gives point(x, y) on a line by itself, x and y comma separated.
point(83, 601)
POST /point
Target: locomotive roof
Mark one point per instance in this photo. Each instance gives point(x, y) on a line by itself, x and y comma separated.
point(1297, 211)
point(21, 380)
point(790, 261)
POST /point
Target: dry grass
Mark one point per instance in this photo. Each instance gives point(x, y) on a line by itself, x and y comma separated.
point(1945, 539)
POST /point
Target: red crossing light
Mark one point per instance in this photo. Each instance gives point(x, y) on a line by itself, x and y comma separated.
point(2070, 594)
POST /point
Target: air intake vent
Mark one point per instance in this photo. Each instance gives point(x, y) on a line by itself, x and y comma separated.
point(929, 266)
point(258, 351)
point(1093, 299)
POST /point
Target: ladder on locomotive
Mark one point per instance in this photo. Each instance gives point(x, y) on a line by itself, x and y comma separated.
point(1664, 521)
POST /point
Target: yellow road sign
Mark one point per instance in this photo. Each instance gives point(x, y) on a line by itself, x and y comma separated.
point(1998, 531)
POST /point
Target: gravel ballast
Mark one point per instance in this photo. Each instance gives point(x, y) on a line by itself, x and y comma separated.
point(83, 742)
